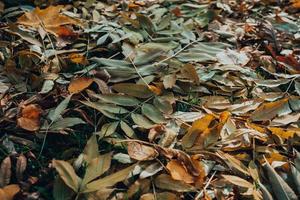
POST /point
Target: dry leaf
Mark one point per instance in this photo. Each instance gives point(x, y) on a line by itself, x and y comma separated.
point(284, 133)
point(179, 172)
point(78, 59)
point(79, 84)
point(21, 166)
point(141, 152)
point(189, 72)
point(30, 117)
point(10, 191)
point(268, 111)
point(5, 172)
point(49, 18)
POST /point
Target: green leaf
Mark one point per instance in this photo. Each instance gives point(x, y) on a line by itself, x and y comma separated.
point(265, 192)
point(56, 114)
point(97, 167)
point(280, 188)
point(61, 191)
point(118, 99)
point(66, 123)
point(108, 129)
point(47, 86)
point(141, 121)
point(109, 181)
point(91, 150)
point(127, 129)
point(105, 107)
point(67, 174)
point(153, 113)
point(135, 90)
point(296, 177)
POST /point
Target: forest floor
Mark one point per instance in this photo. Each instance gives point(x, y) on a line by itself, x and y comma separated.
point(157, 99)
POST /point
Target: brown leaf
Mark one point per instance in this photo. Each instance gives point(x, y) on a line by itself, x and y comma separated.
point(139, 151)
point(50, 18)
point(268, 111)
point(5, 172)
point(30, 117)
point(21, 166)
point(79, 84)
point(179, 172)
point(189, 72)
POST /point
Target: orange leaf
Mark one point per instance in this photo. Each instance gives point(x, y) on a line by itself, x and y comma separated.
point(296, 4)
point(30, 117)
point(8, 192)
point(78, 59)
point(179, 172)
point(79, 84)
point(155, 90)
point(50, 18)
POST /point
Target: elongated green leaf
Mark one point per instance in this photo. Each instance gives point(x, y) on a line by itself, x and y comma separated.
point(280, 188)
point(265, 192)
point(141, 121)
point(153, 113)
point(102, 107)
point(108, 129)
point(91, 150)
point(127, 129)
point(109, 181)
point(56, 114)
point(66, 123)
point(122, 100)
point(67, 174)
point(135, 90)
point(296, 177)
point(61, 191)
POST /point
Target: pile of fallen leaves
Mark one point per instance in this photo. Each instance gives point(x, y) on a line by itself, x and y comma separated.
point(157, 99)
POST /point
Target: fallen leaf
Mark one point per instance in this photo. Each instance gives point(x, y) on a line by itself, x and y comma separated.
point(79, 84)
point(78, 59)
point(179, 172)
point(30, 117)
point(139, 151)
point(268, 111)
point(67, 174)
point(5, 172)
point(49, 18)
point(283, 133)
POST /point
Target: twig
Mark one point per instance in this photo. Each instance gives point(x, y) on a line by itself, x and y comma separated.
point(205, 187)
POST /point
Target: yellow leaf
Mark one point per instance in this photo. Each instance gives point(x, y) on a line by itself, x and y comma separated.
point(283, 133)
point(78, 59)
point(79, 84)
